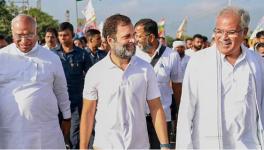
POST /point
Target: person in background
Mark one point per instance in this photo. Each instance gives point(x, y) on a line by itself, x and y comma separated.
point(78, 43)
point(163, 41)
point(3, 42)
point(104, 45)
point(222, 105)
point(188, 43)
point(260, 49)
point(197, 44)
point(51, 39)
point(32, 90)
point(167, 69)
point(75, 62)
point(93, 37)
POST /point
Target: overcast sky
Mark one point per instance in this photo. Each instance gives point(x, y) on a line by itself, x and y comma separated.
point(200, 13)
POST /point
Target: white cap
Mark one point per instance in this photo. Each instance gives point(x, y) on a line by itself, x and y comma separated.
point(178, 43)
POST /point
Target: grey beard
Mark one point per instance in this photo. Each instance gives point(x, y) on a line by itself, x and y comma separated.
point(123, 53)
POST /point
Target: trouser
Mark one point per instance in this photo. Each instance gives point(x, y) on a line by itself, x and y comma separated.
point(174, 117)
point(75, 127)
point(153, 138)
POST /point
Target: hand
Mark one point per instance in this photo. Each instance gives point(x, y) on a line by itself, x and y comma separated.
point(65, 127)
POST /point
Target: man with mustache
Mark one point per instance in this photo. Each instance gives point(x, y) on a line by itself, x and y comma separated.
point(222, 100)
point(167, 69)
point(116, 88)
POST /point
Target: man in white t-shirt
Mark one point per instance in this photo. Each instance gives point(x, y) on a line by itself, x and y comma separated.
point(117, 88)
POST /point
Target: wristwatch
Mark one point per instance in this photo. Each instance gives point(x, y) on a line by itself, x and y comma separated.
point(165, 146)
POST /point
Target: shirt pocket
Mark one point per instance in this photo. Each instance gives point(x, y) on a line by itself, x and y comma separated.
point(162, 73)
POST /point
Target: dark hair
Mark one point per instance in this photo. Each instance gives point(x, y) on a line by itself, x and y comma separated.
point(260, 34)
point(111, 23)
point(2, 37)
point(150, 26)
point(52, 30)
point(259, 45)
point(188, 39)
point(83, 39)
point(91, 33)
point(199, 36)
point(66, 26)
point(205, 38)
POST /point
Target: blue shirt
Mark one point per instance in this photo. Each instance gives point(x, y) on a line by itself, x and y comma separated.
point(75, 65)
point(98, 55)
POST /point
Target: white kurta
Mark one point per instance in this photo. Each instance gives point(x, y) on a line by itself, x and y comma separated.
point(121, 95)
point(200, 114)
point(32, 87)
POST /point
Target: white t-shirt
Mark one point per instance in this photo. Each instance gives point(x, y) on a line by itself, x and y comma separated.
point(121, 96)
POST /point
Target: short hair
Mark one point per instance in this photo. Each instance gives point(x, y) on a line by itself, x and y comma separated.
point(52, 30)
point(24, 17)
point(91, 33)
point(66, 26)
point(111, 23)
point(150, 26)
point(199, 36)
point(188, 39)
point(243, 14)
point(260, 34)
point(83, 39)
point(205, 38)
point(2, 37)
point(259, 45)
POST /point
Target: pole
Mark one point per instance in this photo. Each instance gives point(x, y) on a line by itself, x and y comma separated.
point(76, 14)
point(229, 2)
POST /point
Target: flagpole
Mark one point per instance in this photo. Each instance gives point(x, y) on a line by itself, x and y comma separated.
point(76, 14)
point(229, 2)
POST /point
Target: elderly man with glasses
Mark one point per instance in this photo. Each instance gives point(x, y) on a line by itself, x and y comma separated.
point(32, 90)
point(222, 101)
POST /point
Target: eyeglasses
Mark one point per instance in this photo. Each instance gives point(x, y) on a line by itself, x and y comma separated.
point(25, 36)
point(230, 33)
point(140, 36)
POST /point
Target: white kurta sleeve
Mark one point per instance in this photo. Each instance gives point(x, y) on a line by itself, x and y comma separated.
point(187, 109)
point(176, 74)
point(60, 89)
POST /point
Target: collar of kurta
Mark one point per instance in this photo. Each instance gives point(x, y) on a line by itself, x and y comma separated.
point(32, 51)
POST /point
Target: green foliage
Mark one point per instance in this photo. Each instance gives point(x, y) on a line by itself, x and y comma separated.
point(169, 40)
point(8, 12)
point(43, 20)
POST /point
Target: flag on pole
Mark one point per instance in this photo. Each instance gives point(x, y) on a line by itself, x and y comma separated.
point(259, 27)
point(161, 27)
point(182, 28)
point(90, 16)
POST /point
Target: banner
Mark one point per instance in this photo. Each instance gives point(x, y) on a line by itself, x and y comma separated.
point(182, 28)
point(90, 17)
point(161, 27)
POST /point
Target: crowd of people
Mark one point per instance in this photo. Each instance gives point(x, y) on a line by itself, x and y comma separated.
point(125, 88)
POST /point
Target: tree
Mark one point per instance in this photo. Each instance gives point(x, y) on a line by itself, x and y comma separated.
point(7, 12)
point(169, 40)
point(43, 20)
